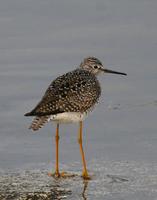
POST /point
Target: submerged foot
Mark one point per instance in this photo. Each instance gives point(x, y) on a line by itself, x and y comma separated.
point(56, 175)
point(86, 176)
point(62, 175)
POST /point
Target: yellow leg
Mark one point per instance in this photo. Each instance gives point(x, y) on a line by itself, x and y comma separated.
point(57, 151)
point(57, 174)
point(85, 172)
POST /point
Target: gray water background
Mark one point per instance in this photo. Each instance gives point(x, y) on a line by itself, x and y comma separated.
point(40, 40)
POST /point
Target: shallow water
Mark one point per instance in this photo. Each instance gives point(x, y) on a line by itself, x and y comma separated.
point(40, 40)
point(110, 180)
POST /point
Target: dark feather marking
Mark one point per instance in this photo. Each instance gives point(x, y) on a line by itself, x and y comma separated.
point(38, 122)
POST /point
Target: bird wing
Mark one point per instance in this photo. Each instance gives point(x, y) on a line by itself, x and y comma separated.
point(72, 92)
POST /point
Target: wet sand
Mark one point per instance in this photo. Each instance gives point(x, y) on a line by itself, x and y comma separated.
point(110, 179)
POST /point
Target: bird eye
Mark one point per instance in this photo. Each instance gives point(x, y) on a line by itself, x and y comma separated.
point(95, 67)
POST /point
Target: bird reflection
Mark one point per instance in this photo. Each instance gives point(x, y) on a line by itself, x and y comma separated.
point(58, 190)
point(85, 186)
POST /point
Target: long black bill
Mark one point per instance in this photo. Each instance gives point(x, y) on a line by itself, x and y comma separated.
point(113, 72)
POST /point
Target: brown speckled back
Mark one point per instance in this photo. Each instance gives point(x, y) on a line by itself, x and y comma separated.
point(76, 91)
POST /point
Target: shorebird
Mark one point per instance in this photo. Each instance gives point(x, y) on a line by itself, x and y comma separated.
point(69, 99)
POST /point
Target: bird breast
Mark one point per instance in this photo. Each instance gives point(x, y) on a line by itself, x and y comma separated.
point(68, 117)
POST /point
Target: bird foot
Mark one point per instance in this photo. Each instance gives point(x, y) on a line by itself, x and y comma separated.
point(61, 175)
point(86, 176)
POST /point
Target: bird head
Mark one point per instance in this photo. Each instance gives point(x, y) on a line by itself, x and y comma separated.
point(95, 66)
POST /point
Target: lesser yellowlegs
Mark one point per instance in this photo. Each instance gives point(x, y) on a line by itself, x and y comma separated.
point(68, 99)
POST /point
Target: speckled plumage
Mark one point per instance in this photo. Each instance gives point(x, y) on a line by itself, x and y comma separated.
point(70, 96)
point(68, 99)
point(76, 91)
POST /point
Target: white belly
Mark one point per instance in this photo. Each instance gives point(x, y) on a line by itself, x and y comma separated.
point(68, 117)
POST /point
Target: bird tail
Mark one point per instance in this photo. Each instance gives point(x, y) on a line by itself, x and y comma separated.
point(39, 122)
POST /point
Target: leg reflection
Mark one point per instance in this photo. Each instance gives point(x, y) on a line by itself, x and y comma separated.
point(85, 186)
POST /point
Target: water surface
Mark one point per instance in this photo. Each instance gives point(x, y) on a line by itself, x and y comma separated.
point(40, 40)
